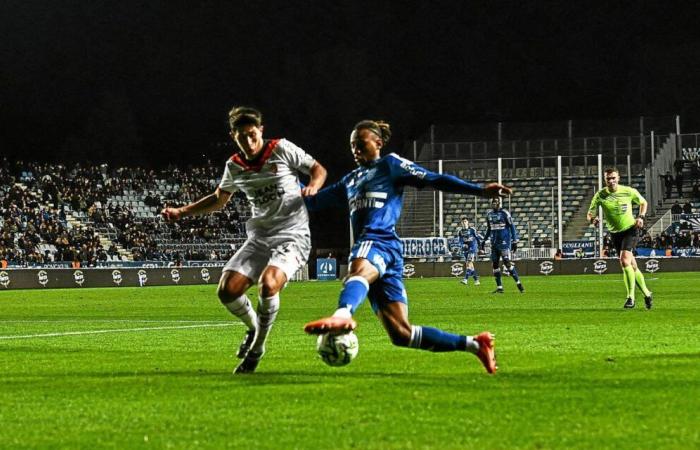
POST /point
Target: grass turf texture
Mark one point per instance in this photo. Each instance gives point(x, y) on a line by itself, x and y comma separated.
point(576, 370)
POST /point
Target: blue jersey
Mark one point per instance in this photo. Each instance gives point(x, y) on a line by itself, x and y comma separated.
point(469, 239)
point(500, 228)
point(374, 194)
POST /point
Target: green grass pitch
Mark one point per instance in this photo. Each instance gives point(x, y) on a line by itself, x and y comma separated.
point(151, 368)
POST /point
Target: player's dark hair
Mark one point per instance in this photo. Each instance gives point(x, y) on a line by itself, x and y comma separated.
point(611, 170)
point(244, 115)
point(378, 127)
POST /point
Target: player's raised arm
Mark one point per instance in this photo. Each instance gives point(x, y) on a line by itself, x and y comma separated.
point(212, 202)
point(411, 174)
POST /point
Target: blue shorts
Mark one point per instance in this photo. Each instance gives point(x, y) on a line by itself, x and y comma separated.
point(498, 253)
point(469, 256)
point(386, 258)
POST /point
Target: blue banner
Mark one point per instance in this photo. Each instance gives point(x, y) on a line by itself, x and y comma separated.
point(424, 247)
point(570, 248)
point(326, 269)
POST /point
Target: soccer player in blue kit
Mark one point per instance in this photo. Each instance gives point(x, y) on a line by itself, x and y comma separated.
point(373, 193)
point(469, 240)
point(504, 239)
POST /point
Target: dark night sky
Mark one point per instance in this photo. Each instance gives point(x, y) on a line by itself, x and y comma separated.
point(151, 82)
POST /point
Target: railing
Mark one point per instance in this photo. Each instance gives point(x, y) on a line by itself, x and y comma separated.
point(664, 222)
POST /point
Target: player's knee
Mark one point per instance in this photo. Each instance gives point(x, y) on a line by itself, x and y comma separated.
point(270, 285)
point(226, 294)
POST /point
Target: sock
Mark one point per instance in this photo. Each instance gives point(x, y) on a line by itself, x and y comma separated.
point(468, 273)
point(434, 340)
point(514, 274)
point(476, 275)
point(639, 277)
point(267, 313)
point(628, 277)
point(353, 294)
point(497, 274)
point(242, 309)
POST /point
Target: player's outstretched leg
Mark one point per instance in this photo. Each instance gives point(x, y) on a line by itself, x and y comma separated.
point(353, 294)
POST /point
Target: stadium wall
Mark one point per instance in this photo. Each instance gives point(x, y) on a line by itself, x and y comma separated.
point(135, 277)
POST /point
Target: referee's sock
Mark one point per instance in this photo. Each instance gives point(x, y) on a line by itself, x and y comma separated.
point(629, 278)
point(639, 277)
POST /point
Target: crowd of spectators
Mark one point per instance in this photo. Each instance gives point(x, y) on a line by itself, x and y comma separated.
point(36, 197)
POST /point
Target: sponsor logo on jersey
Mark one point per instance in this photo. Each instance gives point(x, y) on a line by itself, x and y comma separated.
point(43, 277)
point(79, 277)
point(117, 277)
point(652, 265)
point(367, 200)
point(4, 279)
point(175, 275)
point(546, 267)
point(205, 274)
point(456, 269)
point(143, 277)
point(600, 266)
point(409, 270)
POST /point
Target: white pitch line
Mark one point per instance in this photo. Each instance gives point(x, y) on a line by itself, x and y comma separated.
point(116, 330)
point(109, 321)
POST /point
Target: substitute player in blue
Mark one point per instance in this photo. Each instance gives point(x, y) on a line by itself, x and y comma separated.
point(469, 240)
point(504, 239)
point(374, 192)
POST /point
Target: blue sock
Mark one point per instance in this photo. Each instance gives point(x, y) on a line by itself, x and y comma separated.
point(353, 294)
point(434, 340)
point(468, 273)
point(476, 275)
point(514, 273)
point(497, 274)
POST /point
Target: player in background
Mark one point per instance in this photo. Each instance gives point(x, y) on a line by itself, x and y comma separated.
point(616, 201)
point(374, 193)
point(504, 239)
point(279, 242)
point(469, 241)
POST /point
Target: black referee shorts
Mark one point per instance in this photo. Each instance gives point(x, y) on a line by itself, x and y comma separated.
point(625, 240)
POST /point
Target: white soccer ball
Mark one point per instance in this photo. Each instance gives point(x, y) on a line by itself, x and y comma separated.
point(339, 349)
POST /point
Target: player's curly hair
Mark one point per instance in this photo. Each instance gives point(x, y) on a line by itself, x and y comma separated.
point(378, 127)
point(244, 115)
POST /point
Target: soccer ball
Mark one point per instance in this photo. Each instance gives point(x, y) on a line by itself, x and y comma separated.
point(338, 349)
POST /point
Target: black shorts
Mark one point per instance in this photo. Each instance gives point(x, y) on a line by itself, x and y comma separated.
point(625, 240)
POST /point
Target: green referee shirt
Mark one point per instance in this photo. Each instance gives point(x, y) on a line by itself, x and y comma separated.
point(617, 207)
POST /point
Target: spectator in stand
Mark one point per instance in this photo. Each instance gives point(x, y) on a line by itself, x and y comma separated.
point(696, 190)
point(687, 207)
point(668, 183)
point(558, 255)
point(679, 184)
point(676, 208)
